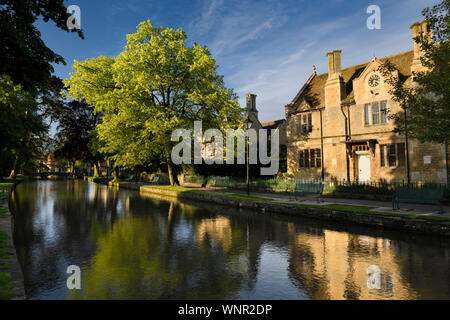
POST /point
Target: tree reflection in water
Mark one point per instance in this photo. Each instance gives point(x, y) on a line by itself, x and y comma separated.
point(132, 246)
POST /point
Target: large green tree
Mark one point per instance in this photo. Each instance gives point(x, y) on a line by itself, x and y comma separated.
point(23, 131)
point(29, 90)
point(426, 103)
point(157, 84)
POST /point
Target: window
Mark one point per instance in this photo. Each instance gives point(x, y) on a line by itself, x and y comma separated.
point(383, 155)
point(301, 159)
point(375, 113)
point(367, 113)
point(401, 154)
point(305, 124)
point(318, 158)
point(383, 111)
point(306, 158)
point(394, 154)
point(310, 122)
point(310, 158)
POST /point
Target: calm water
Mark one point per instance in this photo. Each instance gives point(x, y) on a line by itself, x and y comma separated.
point(131, 246)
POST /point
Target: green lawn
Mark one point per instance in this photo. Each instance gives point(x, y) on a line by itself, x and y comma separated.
point(367, 210)
point(5, 186)
point(237, 196)
point(6, 288)
point(213, 194)
point(173, 188)
point(336, 207)
point(6, 291)
point(2, 212)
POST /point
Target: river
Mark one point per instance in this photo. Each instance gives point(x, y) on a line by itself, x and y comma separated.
point(134, 246)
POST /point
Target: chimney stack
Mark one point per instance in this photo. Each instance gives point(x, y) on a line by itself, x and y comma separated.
point(251, 105)
point(251, 101)
point(419, 29)
point(335, 85)
point(334, 64)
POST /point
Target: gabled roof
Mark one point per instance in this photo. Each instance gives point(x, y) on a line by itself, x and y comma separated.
point(314, 89)
point(273, 124)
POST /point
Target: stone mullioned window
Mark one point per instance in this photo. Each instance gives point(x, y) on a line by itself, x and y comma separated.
point(375, 113)
point(392, 155)
point(310, 158)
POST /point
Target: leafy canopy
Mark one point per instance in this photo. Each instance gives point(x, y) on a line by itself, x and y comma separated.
point(23, 128)
point(427, 101)
point(24, 55)
point(157, 84)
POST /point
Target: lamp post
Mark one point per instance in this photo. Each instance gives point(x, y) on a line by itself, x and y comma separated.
point(248, 125)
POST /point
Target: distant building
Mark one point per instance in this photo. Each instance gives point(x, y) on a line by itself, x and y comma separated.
point(281, 125)
point(338, 125)
point(53, 165)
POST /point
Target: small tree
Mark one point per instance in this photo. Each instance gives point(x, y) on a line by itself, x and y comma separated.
point(426, 103)
point(76, 133)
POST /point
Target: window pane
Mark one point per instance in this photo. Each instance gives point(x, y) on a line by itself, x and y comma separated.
point(305, 124)
point(383, 111)
point(306, 159)
point(318, 158)
point(383, 155)
point(299, 127)
point(401, 154)
point(375, 113)
point(367, 113)
point(310, 122)
point(313, 158)
point(392, 158)
point(301, 160)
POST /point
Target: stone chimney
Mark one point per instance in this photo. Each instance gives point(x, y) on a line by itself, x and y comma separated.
point(335, 86)
point(334, 64)
point(251, 105)
point(419, 29)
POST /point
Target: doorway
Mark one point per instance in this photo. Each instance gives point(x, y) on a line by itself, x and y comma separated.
point(364, 168)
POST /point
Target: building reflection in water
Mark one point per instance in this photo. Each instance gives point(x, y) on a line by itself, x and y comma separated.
point(132, 246)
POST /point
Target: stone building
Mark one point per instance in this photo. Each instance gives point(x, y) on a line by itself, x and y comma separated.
point(338, 126)
point(281, 125)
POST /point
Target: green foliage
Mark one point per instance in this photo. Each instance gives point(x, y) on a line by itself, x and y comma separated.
point(6, 292)
point(3, 253)
point(356, 188)
point(157, 84)
point(6, 288)
point(77, 136)
point(427, 101)
point(23, 128)
point(23, 54)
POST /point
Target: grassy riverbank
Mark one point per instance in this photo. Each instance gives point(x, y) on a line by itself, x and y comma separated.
point(370, 215)
point(6, 286)
point(334, 207)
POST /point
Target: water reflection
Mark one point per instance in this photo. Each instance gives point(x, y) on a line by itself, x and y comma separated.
point(132, 246)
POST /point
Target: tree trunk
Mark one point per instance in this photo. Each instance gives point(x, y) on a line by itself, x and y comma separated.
point(116, 173)
point(73, 170)
point(15, 168)
point(96, 169)
point(172, 178)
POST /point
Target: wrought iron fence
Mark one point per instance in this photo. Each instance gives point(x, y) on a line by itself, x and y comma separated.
point(335, 186)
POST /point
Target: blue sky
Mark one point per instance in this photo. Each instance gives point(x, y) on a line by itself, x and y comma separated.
point(266, 47)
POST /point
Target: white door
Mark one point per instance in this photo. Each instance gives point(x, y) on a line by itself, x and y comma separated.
point(364, 168)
